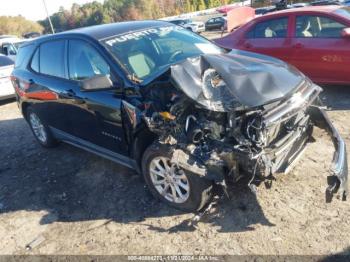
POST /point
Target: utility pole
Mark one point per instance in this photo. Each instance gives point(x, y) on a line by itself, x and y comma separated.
point(182, 6)
point(161, 3)
point(48, 17)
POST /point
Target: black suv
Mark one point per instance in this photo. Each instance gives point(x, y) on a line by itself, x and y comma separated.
point(160, 99)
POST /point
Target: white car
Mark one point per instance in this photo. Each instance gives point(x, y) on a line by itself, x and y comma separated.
point(6, 88)
point(9, 45)
point(196, 27)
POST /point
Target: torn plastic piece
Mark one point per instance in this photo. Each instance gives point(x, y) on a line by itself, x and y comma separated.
point(338, 182)
point(36, 242)
point(167, 116)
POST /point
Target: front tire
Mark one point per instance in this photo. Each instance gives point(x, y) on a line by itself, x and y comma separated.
point(40, 130)
point(172, 185)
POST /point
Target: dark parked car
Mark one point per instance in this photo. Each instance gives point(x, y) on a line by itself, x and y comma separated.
point(218, 23)
point(31, 35)
point(264, 10)
point(325, 2)
point(183, 112)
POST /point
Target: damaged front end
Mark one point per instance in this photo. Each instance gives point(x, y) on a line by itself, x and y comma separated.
point(231, 115)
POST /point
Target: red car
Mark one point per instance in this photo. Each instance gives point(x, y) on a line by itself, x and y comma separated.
point(314, 39)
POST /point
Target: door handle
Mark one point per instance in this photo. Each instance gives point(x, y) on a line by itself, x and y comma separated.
point(298, 45)
point(68, 94)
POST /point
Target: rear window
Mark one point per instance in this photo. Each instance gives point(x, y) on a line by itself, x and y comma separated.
point(23, 55)
point(5, 61)
point(52, 58)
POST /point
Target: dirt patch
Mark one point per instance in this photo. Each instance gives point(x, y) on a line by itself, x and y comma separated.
point(67, 201)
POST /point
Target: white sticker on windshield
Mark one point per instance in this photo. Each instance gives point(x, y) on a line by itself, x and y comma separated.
point(208, 48)
point(138, 34)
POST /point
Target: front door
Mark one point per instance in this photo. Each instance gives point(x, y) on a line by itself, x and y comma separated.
point(95, 116)
point(319, 50)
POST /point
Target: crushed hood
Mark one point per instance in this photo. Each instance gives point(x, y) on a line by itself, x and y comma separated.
point(223, 82)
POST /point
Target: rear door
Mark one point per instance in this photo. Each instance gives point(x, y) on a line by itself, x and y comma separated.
point(45, 82)
point(319, 50)
point(269, 37)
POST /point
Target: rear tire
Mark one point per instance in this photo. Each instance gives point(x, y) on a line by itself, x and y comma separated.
point(41, 131)
point(176, 187)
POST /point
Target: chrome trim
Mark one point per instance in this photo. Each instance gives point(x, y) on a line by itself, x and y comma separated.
point(299, 101)
point(93, 148)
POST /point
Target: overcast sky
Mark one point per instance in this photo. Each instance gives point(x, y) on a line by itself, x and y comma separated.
point(34, 9)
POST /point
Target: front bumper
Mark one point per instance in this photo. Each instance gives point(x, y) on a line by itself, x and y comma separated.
point(338, 180)
point(199, 30)
point(281, 158)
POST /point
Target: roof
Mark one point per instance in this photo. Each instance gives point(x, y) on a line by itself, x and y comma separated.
point(100, 32)
point(10, 40)
point(320, 9)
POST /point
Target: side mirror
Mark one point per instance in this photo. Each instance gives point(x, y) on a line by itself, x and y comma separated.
point(96, 83)
point(11, 52)
point(345, 32)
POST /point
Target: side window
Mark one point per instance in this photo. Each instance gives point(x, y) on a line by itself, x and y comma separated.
point(52, 58)
point(85, 62)
point(35, 62)
point(274, 28)
point(317, 27)
point(24, 54)
point(9, 49)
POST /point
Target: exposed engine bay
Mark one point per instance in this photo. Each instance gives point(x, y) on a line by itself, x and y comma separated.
point(225, 124)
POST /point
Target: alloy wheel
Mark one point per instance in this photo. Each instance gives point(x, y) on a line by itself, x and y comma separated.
point(38, 127)
point(170, 181)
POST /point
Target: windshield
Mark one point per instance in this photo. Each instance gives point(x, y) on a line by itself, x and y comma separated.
point(18, 44)
point(344, 11)
point(147, 52)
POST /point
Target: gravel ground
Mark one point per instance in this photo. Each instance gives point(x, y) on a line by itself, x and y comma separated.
point(67, 201)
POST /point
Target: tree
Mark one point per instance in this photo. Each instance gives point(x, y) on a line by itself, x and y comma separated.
point(18, 25)
point(95, 13)
point(188, 7)
point(201, 5)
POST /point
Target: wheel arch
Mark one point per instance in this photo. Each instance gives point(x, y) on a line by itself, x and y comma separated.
point(24, 109)
point(142, 140)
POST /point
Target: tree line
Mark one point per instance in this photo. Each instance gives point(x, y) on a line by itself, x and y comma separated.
point(111, 11)
point(18, 25)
